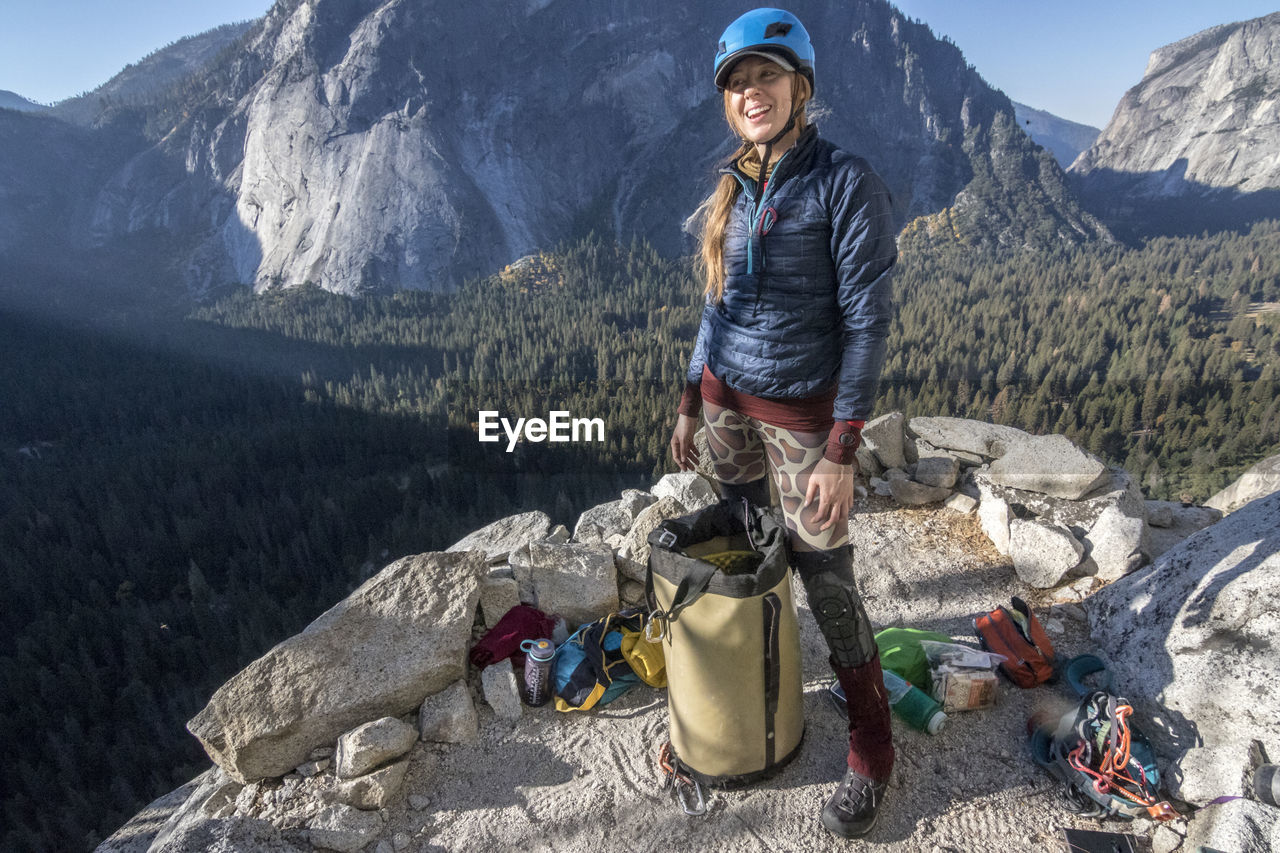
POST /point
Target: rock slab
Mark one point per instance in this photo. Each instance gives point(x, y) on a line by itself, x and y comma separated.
point(1192, 636)
point(573, 580)
point(400, 637)
point(499, 539)
point(1260, 480)
point(1051, 465)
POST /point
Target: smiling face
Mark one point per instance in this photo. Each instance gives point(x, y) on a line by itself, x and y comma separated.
point(758, 98)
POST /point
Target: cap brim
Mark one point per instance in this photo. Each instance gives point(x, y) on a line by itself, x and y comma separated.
point(725, 67)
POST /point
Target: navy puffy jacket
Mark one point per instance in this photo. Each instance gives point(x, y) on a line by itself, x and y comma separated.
point(807, 302)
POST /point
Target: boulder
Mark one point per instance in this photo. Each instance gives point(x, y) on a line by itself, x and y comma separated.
point(400, 637)
point(343, 828)
point(1239, 826)
point(499, 539)
point(449, 716)
point(1119, 490)
point(1192, 636)
point(962, 504)
point(1260, 480)
point(558, 535)
point(868, 464)
point(691, 489)
point(604, 521)
point(601, 521)
point(375, 790)
point(937, 469)
point(367, 747)
point(994, 514)
point(911, 493)
point(635, 502)
point(499, 592)
point(1000, 504)
point(630, 593)
point(501, 690)
point(1117, 543)
point(990, 441)
point(574, 580)
point(1051, 465)
point(633, 557)
point(883, 436)
point(1042, 552)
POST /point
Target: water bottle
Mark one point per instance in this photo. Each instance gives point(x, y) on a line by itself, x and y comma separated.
point(912, 704)
point(537, 671)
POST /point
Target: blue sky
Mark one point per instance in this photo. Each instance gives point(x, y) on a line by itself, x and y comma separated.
point(1074, 59)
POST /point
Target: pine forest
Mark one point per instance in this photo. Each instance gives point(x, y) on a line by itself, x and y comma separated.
point(177, 499)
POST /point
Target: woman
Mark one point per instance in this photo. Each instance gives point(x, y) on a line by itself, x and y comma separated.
point(797, 245)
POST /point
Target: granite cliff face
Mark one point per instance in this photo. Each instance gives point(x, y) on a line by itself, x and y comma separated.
point(367, 145)
point(1205, 120)
point(1065, 139)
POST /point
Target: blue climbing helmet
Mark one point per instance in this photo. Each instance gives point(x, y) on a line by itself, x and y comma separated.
point(774, 33)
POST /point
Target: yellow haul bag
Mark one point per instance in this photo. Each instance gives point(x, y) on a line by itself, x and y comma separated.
point(720, 593)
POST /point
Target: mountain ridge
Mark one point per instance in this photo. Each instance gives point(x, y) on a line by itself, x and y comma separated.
point(335, 147)
point(1063, 137)
point(1201, 126)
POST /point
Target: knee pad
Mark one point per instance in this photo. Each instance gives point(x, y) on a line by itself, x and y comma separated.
point(756, 492)
point(833, 598)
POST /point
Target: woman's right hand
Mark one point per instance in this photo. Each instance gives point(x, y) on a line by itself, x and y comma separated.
point(683, 449)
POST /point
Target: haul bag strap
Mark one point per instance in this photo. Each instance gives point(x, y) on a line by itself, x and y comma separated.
point(689, 590)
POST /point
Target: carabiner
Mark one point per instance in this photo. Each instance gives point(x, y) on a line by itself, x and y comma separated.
point(699, 805)
point(767, 220)
point(659, 618)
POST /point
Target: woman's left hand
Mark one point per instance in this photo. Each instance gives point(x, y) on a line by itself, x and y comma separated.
point(832, 484)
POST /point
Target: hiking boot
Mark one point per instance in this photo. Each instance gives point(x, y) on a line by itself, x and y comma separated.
point(852, 810)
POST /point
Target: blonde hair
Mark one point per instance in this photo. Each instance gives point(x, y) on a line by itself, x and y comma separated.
point(713, 214)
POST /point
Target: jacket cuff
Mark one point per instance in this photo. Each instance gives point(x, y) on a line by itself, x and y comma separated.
point(843, 442)
point(691, 400)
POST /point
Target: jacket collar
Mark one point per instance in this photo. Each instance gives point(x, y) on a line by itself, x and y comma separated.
point(790, 161)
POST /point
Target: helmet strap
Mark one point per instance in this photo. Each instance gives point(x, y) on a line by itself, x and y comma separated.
point(768, 152)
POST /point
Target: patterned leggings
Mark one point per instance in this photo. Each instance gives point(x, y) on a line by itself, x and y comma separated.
point(744, 450)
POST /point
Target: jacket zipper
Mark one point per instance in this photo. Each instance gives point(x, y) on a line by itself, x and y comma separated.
point(758, 208)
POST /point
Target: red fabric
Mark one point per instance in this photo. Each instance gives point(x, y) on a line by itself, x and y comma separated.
point(802, 414)
point(839, 452)
point(870, 733)
point(503, 640)
point(690, 400)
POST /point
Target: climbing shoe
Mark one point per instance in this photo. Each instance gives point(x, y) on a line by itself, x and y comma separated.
point(852, 810)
